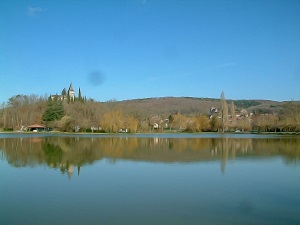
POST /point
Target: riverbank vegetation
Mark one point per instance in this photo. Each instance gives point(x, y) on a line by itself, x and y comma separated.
point(168, 114)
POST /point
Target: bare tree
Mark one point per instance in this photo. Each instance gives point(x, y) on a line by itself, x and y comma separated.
point(23, 110)
point(233, 116)
point(112, 121)
point(179, 121)
point(244, 124)
point(3, 116)
point(224, 112)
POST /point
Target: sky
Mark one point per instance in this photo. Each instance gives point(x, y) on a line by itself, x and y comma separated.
point(131, 49)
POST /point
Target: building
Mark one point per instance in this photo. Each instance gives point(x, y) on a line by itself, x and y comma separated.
point(36, 128)
point(71, 92)
point(65, 95)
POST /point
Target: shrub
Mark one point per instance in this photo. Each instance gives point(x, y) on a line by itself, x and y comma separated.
point(8, 129)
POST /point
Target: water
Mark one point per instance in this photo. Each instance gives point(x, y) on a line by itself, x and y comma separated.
point(149, 179)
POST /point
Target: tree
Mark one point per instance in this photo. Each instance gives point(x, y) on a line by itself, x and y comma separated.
point(193, 125)
point(198, 123)
point(224, 113)
point(79, 96)
point(214, 123)
point(64, 93)
point(244, 124)
point(68, 97)
point(179, 121)
point(112, 121)
point(291, 116)
point(233, 122)
point(261, 123)
point(66, 124)
point(54, 110)
point(232, 111)
point(132, 124)
point(3, 116)
point(204, 123)
point(23, 110)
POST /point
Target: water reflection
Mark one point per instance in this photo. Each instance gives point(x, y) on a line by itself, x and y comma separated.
point(69, 154)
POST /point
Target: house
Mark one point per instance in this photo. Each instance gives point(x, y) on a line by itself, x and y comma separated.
point(36, 128)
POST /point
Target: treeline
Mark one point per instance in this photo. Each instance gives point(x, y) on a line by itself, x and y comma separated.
point(21, 111)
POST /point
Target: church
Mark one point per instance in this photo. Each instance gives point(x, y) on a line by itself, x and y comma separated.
point(65, 95)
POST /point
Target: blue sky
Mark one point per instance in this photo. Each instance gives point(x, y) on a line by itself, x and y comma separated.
point(151, 48)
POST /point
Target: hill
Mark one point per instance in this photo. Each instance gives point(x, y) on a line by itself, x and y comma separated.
point(190, 105)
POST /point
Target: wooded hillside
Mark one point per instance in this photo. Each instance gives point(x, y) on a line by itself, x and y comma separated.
point(189, 105)
point(143, 115)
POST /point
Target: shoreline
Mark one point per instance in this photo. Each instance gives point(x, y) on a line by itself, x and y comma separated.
point(150, 133)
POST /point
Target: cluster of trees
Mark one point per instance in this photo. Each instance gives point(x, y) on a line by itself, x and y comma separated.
point(288, 120)
point(88, 115)
point(22, 110)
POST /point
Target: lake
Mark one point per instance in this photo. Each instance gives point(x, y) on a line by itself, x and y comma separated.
point(149, 179)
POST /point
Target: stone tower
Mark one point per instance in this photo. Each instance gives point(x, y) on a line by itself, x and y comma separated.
point(71, 92)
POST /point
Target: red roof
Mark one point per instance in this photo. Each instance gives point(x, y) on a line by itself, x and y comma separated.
point(36, 126)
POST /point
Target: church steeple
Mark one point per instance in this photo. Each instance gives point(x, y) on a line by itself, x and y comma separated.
point(71, 92)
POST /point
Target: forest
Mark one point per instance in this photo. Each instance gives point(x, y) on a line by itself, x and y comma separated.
point(166, 114)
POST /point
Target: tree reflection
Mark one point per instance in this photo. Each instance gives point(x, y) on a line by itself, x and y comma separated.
point(69, 153)
point(53, 154)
